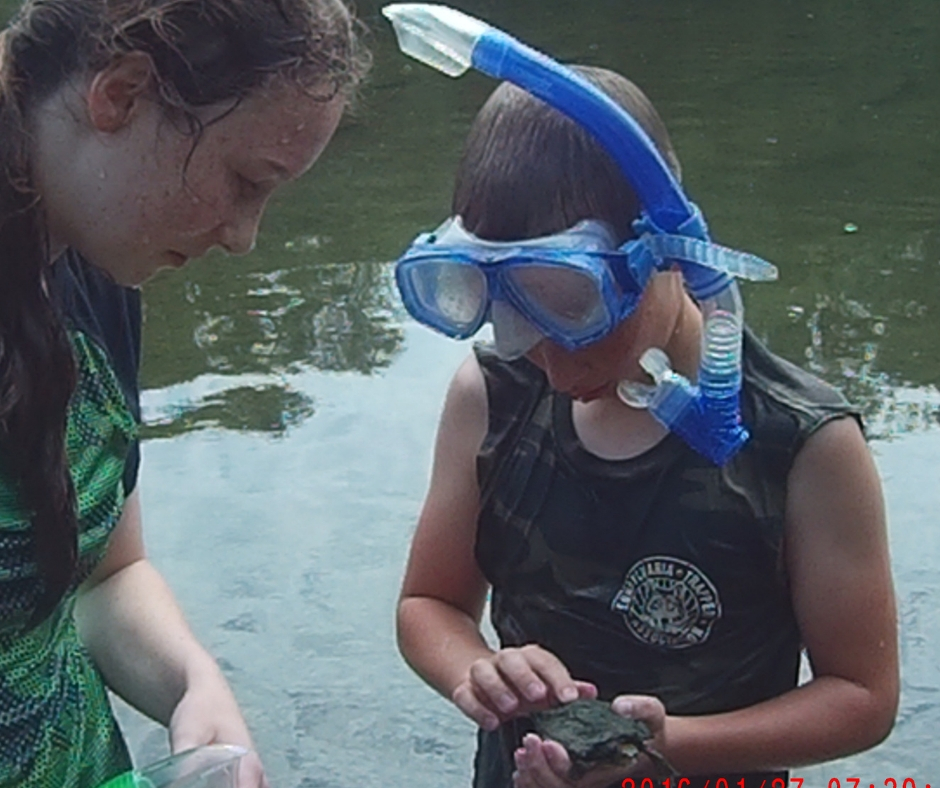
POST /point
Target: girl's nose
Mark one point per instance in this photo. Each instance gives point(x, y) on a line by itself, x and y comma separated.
point(239, 233)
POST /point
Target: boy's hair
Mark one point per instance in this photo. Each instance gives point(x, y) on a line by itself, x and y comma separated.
point(528, 170)
point(205, 53)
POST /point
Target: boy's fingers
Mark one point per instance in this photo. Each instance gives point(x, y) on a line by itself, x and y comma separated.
point(488, 682)
point(466, 700)
point(641, 707)
point(554, 674)
point(522, 674)
point(557, 758)
point(535, 766)
point(586, 690)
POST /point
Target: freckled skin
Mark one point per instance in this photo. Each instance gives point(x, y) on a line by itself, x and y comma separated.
point(132, 204)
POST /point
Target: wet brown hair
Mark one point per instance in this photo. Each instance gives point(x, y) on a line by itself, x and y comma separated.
point(528, 170)
point(204, 53)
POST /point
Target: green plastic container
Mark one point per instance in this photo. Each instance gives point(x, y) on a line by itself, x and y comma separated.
point(127, 780)
point(212, 766)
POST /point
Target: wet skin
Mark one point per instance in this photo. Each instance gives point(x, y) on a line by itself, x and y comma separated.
point(128, 188)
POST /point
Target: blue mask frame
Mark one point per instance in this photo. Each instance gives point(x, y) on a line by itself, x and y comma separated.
point(617, 281)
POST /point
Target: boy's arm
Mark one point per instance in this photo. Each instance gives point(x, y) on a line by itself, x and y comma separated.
point(836, 550)
point(444, 591)
point(838, 565)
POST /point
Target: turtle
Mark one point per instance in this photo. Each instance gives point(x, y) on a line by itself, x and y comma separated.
point(595, 735)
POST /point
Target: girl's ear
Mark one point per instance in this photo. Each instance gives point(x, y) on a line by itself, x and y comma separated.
point(115, 91)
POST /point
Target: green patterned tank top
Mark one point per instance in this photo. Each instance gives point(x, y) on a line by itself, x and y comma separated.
point(56, 725)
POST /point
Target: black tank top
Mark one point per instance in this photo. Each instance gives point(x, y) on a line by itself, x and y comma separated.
point(661, 574)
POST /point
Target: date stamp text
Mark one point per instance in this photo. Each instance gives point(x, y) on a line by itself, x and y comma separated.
point(778, 782)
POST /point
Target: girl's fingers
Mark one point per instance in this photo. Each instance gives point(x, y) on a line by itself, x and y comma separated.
point(251, 772)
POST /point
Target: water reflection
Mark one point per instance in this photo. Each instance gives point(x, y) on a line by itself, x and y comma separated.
point(794, 122)
point(267, 324)
point(808, 136)
point(263, 407)
point(859, 312)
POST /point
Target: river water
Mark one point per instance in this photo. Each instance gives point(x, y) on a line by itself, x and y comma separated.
point(290, 404)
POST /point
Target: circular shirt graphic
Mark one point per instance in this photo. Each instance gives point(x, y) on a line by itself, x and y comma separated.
point(667, 602)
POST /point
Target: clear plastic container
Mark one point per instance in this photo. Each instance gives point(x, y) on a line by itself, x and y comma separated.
point(212, 766)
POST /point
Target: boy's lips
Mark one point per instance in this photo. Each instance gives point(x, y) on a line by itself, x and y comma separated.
point(590, 394)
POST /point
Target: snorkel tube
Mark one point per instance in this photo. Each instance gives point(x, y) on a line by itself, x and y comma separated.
point(671, 229)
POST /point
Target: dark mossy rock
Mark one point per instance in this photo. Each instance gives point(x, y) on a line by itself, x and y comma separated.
point(593, 734)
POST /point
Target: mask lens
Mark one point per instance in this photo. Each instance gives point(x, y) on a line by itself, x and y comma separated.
point(453, 292)
point(569, 299)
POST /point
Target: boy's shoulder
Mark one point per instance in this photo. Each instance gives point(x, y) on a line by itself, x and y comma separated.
point(782, 403)
point(514, 390)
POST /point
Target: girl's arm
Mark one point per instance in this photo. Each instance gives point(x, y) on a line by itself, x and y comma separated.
point(444, 592)
point(138, 638)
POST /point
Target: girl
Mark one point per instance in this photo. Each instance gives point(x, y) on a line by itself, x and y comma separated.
point(620, 562)
point(134, 135)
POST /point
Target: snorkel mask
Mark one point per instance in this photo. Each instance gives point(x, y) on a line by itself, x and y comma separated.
point(671, 231)
point(573, 287)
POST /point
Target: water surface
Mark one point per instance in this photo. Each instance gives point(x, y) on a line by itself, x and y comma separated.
point(291, 406)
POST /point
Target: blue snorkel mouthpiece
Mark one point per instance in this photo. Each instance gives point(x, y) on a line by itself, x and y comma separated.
point(671, 229)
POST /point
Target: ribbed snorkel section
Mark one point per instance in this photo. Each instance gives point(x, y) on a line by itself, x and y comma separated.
point(707, 416)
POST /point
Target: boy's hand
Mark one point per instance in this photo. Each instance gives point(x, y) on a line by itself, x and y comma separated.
point(515, 681)
point(542, 763)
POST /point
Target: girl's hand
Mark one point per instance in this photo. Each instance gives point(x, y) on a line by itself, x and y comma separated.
point(515, 681)
point(208, 714)
point(542, 763)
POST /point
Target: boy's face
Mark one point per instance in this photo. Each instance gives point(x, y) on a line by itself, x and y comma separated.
point(594, 371)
